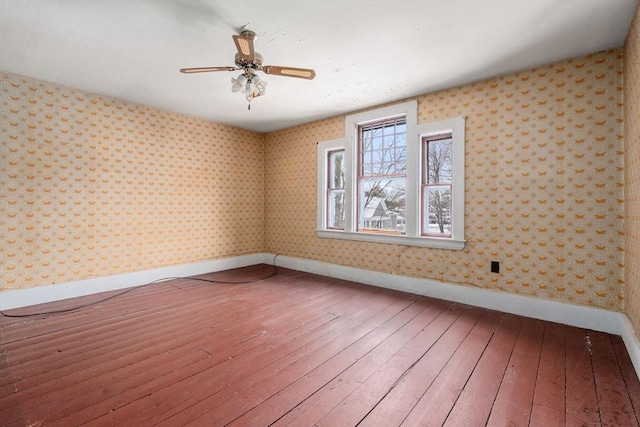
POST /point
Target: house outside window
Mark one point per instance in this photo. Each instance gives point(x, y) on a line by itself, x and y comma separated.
point(400, 182)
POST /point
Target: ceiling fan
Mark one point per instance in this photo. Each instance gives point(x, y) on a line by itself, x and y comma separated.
point(249, 61)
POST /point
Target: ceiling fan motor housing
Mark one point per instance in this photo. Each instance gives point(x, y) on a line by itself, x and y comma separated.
point(256, 64)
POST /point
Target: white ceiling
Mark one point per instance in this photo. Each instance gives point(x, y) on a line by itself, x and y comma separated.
point(365, 53)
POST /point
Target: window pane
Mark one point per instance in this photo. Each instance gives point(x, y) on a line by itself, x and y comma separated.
point(335, 217)
point(437, 209)
point(382, 204)
point(439, 160)
point(336, 169)
point(383, 148)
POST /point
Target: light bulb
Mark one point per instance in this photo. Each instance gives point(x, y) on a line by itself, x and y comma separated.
point(237, 84)
point(261, 87)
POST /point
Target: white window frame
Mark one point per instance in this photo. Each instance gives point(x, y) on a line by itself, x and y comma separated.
point(415, 133)
point(324, 148)
point(456, 127)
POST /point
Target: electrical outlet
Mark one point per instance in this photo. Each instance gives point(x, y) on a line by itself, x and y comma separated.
point(495, 267)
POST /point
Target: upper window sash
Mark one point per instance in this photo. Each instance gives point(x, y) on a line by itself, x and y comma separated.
point(380, 153)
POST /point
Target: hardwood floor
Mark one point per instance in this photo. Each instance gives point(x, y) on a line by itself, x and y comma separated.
point(303, 350)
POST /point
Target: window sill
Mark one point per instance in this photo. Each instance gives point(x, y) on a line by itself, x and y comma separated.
point(424, 242)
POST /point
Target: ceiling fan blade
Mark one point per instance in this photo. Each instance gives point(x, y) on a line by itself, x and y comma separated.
point(206, 69)
point(244, 44)
point(301, 73)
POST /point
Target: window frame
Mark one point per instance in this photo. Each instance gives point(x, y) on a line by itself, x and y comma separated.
point(426, 186)
point(413, 220)
point(456, 127)
point(330, 188)
point(324, 148)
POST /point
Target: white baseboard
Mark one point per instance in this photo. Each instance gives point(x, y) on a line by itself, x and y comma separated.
point(630, 342)
point(42, 294)
point(573, 315)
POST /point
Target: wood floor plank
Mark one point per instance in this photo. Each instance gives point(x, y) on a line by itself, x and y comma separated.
point(581, 400)
point(71, 360)
point(325, 363)
point(402, 395)
point(300, 349)
point(550, 394)
point(337, 392)
point(188, 344)
point(163, 318)
point(512, 406)
point(128, 302)
point(137, 340)
point(163, 337)
point(628, 371)
point(135, 386)
point(79, 329)
point(223, 371)
point(323, 394)
point(112, 312)
point(13, 411)
point(129, 334)
point(615, 405)
point(474, 404)
point(436, 402)
point(330, 394)
point(168, 399)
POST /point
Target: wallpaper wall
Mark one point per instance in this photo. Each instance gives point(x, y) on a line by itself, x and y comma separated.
point(544, 187)
point(92, 186)
point(632, 177)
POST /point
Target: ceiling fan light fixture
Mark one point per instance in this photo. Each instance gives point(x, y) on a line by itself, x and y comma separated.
point(259, 85)
point(249, 84)
point(238, 84)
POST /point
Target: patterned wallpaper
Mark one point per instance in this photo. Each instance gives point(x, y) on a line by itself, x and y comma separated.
point(92, 186)
point(632, 177)
point(544, 187)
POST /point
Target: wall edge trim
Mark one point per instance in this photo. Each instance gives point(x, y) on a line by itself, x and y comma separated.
point(630, 342)
point(19, 298)
point(596, 319)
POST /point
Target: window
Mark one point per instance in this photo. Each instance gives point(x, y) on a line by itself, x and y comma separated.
point(331, 185)
point(391, 180)
point(382, 175)
point(335, 190)
point(437, 179)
